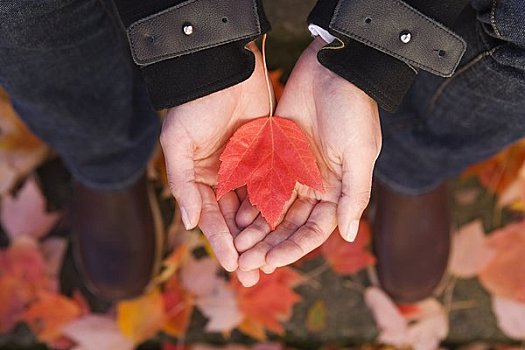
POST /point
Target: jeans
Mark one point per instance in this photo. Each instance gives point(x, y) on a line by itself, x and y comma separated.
point(66, 65)
point(444, 125)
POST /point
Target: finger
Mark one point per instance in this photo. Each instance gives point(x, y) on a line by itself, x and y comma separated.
point(214, 227)
point(248, 278)
point(181, 178)
point(229, 205)
point(311, 235)
point(252, 234)
point(298, 214)
point(268, 269)
point(247, 213)
point(355, 194)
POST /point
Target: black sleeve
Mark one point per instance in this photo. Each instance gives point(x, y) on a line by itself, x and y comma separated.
point(384, 76)
point(178, 76)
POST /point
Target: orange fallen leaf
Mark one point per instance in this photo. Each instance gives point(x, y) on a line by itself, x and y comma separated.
point(268, 303)
point(49, 314)
point(269, 156)
point(504, 275)
point(499, 171)
point(20, 151)
point(141, 318)
point(13, 300)
point(348, 258)
point(178, 305)
point(23, 275)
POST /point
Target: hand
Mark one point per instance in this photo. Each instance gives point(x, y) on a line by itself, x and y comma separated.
point(193, 137)
point(342, 123)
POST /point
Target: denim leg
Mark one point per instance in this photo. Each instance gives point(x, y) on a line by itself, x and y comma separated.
point(444, 125)
point(66, 66)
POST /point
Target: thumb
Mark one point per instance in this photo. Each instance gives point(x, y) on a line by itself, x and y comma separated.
point(180, 170)
point(355, 194)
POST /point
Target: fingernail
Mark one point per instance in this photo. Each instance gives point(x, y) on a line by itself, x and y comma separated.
point(185, 218)
point(351, 232)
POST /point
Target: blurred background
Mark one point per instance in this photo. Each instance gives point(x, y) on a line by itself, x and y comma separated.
point(330, 299)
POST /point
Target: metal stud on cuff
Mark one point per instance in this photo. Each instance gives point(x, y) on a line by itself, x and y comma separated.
point(187, 29)
point(405, 37)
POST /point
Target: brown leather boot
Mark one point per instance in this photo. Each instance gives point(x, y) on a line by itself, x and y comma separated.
point(117, 239)
point(411, 240)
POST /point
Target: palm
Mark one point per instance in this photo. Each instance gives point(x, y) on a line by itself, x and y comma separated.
point(193, 137)
point(343, 125)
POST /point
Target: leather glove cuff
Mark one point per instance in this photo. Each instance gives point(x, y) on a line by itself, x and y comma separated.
point(195, 47)
point(382, 44)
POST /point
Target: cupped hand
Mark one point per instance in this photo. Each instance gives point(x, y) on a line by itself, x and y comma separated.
point(193, 137)
point(342, 123)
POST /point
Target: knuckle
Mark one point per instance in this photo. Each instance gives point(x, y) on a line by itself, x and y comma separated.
point(316, 234)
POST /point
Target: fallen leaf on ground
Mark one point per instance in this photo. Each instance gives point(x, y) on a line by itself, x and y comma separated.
point(200, 276)
point(178, 305)
point(25, 213)
point(13, 301)
point(510, 315)
point(392, 326)
point(20, 151)
point(24, 262)
point(504, 275)
point(499, 171)
point(423, 328)
point(221, 308)
point(470, 251)
point(347, 258)
point(269, 303)
point(143, 317)
point(23, 275)
point(316, 317)
point(269, 156)
point(49, 314)
point(96, 332)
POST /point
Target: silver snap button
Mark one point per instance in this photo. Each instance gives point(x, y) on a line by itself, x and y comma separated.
point(187, 29)
point(405, 37)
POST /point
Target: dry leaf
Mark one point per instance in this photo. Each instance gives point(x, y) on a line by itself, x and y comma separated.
point(470, 252)
point(316, 317)
point(178, 304)
point(510, 315)
point(504, 275)
point(221, 308)
point(424, 327)
point(347, 258)
point(49, 314)
point(25, 213)
point(20, 151)
point(269, 302)
point(200, 276)
point(498, 172)
point(96, 332)
point(143, 317)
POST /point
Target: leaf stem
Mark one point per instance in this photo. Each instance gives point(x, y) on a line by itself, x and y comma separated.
point(268, 82)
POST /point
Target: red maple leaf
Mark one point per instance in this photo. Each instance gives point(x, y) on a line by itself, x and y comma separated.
point(347, 258)
point(269, 155)
point(268, 303)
